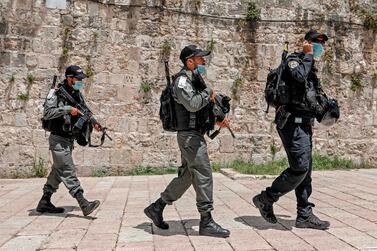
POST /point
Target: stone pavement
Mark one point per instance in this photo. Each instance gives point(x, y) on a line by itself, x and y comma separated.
point(346, 198)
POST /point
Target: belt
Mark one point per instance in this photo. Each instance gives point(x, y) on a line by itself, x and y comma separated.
point(64, 135)
point(300, 120)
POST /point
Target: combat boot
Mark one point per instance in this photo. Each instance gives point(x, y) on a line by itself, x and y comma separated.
point(154, 212)
point(264, 204)
point(209, 227)
point(312, 222)
point(87, 207)
point(45, 205)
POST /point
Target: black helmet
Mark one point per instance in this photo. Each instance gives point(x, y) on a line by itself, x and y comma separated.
point(332, 113)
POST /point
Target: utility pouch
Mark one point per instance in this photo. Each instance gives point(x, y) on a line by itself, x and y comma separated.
point(281, 117)
point(67, 123)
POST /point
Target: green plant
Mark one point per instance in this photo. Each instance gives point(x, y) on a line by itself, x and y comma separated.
point(211, 45)
point(253, 13)
point(12, 79)
point(370, 20)
point(374, 80)
point(95, 35)
point(146, 86)
point(40, 167)
point(65, 52)
point(89, 72)
point(217, 166)
point(197, 4)
point(67, 31)
point(166, 48)
point(241, 24)
point(356, 79)
point(237, 84)
point(140, 170)
point(100, 172)
point(374, 77)
point(328, 58)
point(23, 97)
point(273, 150)
point(275, 167)
point(19, 174)
point(30, 79)
point(325, 82)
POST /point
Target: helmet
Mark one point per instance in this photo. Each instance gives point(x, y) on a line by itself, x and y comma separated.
point(331, 114)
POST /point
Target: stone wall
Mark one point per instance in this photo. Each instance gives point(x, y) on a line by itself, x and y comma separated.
point(122, 43)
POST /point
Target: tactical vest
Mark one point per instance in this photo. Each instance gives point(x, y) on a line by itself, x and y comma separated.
point(202, 120)
point(62, 126)
point(305, 98)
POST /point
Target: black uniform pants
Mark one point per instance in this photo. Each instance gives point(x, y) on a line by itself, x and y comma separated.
point(297, 141)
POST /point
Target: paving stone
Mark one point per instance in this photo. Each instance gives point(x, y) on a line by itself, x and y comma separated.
point(120, 223)
point(31, 242)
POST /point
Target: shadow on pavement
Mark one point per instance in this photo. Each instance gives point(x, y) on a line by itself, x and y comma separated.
point(66, 214)
point(261, 224)
point(176, 227)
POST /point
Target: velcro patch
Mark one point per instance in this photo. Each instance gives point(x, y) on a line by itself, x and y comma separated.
point(293, 64)
point(50, 93)
point(182, 82)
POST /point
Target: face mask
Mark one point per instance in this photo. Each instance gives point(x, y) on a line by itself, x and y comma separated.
point(200, 69)
point(78, 85)
point(317, 50)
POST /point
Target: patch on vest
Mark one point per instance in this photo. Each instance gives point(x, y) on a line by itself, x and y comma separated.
point(293, 64)
point(51, 97)
point(182, 84)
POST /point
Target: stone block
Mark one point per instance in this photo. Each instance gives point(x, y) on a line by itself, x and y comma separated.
point(93, 9)
point(56, 4)
point(31, 60)
point(22, 4)
point(67, 20)
point(18, 60)
point(47, 61)
point(5, 58)
point(226, 143)
point(3, 28)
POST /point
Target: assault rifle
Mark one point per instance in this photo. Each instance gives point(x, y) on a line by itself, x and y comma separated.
point(221, 108)
point(86, 118)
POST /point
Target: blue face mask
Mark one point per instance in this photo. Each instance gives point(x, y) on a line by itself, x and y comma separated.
point(200, 69)
point(78, 85)
point(317, 50)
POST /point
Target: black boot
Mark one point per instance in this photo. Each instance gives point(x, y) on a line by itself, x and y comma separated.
point(209, 227)
point(87, 207)
point(154, 212)
point(312, 222)
point(45, 205)
point(264, 204)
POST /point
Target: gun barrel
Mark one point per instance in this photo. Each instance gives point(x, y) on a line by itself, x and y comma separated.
point(167, 73)
point(231, 132)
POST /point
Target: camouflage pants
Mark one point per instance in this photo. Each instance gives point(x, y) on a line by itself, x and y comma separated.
point(195, 170)
point(63, 169)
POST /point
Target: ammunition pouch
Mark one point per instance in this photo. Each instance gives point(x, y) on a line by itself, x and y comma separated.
point(82, 130)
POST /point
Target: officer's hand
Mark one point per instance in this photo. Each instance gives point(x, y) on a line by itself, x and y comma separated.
point(74, 111)
point(308, 48)
point(97, 127)
point(213, 96)
point(224, 123)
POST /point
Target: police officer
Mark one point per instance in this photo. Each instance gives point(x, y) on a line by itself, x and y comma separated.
point(193, 112)
point(294, 125)
point(61, 116)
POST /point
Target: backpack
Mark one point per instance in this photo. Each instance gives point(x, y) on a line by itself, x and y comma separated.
point(276, 92)
point(167, 109)
point(46, 123)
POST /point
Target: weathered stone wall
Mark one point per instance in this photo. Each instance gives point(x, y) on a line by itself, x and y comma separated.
point(121, 43)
